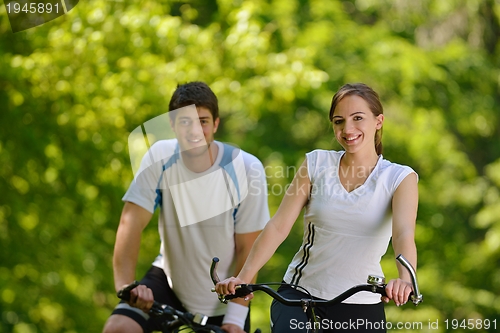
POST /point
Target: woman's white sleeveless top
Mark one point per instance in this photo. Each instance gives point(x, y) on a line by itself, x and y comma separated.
point(345, 233)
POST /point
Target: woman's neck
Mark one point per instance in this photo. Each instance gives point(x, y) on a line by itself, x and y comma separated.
point(355, 169)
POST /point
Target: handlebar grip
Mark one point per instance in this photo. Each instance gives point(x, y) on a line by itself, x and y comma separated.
point(124, 293)
point(410, 298)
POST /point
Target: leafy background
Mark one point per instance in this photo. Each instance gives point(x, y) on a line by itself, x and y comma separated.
point(73, 89)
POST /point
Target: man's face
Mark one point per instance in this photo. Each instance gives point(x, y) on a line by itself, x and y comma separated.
point(195, 130)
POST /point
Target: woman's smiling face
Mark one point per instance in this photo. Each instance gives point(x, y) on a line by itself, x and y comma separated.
point(355, 125)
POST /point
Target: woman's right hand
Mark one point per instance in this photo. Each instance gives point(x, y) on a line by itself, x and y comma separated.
point(228, 287)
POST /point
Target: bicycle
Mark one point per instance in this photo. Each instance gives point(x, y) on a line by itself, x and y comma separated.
point(375, 284)
point(175, 321)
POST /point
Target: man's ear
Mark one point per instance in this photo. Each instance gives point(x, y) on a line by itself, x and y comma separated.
point(172, 123)
point(216, 124)
point(380, 121)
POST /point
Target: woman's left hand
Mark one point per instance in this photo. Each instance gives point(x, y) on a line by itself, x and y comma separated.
point(398, 290)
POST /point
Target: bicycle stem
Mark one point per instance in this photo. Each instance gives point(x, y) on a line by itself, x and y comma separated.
point(417, 297)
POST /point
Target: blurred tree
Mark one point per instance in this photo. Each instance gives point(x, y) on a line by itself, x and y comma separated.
point(73, 89)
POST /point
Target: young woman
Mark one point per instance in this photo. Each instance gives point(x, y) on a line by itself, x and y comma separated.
point(355, 202)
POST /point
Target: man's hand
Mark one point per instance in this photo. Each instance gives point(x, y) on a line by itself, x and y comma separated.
point(231, 328)
point(141, 297)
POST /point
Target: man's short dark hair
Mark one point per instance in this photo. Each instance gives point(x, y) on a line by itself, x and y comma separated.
point(198, 93)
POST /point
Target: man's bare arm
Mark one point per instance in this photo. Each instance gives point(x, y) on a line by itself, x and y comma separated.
point(133, 220)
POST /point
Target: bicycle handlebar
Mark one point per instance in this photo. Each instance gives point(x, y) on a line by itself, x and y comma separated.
point(374, 284)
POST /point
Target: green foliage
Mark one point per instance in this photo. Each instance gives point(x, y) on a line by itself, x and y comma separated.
point(72, 90)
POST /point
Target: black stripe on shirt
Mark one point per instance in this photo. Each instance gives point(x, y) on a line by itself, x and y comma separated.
point(305, 256)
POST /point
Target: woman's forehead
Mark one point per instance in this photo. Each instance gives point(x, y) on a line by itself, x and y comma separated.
point(351, 104)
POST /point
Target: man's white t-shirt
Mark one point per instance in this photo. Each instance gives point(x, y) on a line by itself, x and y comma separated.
point(345, 233)
point(200, 215)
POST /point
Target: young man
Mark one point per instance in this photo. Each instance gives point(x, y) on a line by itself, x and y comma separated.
point(213, 202)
